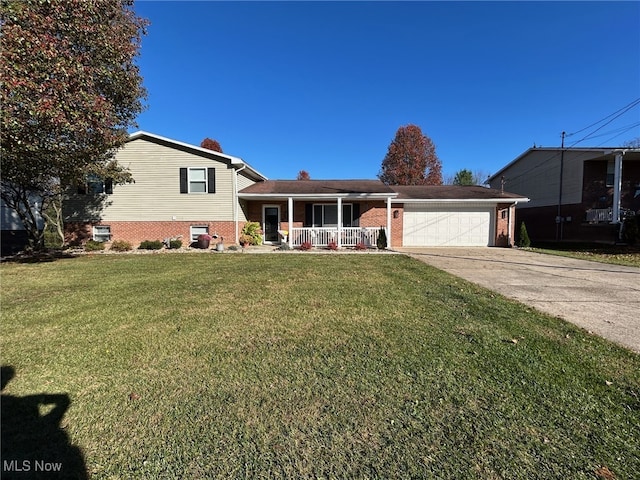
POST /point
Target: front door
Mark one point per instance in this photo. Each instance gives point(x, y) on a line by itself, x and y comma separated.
point(271, 223)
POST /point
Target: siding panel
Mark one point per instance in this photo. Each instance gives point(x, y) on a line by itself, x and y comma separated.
point(155, 194)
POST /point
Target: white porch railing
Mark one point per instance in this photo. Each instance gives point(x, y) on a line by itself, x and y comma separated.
point(322, 236)
point(597, 215)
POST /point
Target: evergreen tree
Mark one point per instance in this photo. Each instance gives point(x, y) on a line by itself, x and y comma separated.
point(381, 242)
point(523, 238)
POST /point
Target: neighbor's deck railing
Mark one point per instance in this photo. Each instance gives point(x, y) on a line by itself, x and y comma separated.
point(597, 215)
point(322, 236)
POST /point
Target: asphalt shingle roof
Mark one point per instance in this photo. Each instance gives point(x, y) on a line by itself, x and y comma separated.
point(404, 192)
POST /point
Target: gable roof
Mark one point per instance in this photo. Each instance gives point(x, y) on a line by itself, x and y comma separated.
point(439, 193)
point(608, 152)
point(235, 162)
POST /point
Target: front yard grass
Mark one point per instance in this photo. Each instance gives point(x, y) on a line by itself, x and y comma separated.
point(615, 254)
point(305, 366)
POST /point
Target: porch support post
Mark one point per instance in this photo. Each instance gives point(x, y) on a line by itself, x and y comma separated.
point(290, 220)
point(617, 187)
point(339, 239)
point(389, 222)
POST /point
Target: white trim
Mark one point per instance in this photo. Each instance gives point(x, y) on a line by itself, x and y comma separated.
point(463, 200)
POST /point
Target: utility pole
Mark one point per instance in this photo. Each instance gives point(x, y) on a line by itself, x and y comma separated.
point(559, 219)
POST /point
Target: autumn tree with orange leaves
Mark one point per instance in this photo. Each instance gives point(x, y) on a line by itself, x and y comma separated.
point(210, 144)
point(411, 159)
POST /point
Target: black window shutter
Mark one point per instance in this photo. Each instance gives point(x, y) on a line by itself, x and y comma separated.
point(108, 186)
point(356, 214)
point(184, 186)
point(308, 214)
point(211, 180)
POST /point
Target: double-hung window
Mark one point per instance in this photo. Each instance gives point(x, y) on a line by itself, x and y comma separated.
point(197, 180)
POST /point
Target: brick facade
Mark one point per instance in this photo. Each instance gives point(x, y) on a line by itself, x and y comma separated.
point(135, 232)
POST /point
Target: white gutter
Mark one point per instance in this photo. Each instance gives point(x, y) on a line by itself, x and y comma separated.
point(462, 200)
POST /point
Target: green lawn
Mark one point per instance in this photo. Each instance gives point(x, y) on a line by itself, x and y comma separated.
point(303, 366)
point(615, 254)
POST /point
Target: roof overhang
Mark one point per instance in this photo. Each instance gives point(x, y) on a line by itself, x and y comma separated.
point(464, 200)
point(317, 196)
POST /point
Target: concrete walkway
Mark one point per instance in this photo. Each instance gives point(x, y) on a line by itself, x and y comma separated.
point(601, 298)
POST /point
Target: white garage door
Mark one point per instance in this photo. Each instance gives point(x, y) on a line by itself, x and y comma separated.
point(433, 226)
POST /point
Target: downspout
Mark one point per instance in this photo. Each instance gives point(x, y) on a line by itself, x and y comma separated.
point(235, 200)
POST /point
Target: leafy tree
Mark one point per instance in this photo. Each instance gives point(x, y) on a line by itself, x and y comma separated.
point(70, 90)
point(463, 177)
point(480, 177)
point(303, 175)
point(633, 143)
point(211, 145)
point(411, 159)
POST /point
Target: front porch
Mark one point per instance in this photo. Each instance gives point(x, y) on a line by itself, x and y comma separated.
point(323, 236)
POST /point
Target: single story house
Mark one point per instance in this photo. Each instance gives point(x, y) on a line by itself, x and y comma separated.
point(576, 194)
point(182, 189)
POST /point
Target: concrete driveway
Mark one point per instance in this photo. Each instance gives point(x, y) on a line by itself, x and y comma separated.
point(601, 298)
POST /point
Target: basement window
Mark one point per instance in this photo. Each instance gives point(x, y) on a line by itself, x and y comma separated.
point(198, 230)
point(102, 233)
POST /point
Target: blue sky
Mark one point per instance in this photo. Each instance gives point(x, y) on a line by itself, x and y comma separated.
point(323, 86)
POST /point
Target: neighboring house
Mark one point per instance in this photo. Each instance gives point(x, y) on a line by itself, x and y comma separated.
point(14, 235)
point(577, 194)
point(185, 190)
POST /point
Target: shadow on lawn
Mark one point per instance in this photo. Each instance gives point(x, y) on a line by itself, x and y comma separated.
point(37, 257)
point(34, 445)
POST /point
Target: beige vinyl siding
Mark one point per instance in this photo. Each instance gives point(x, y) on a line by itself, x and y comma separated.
point(537, 177)
point(243, 181)
point(155, 195)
